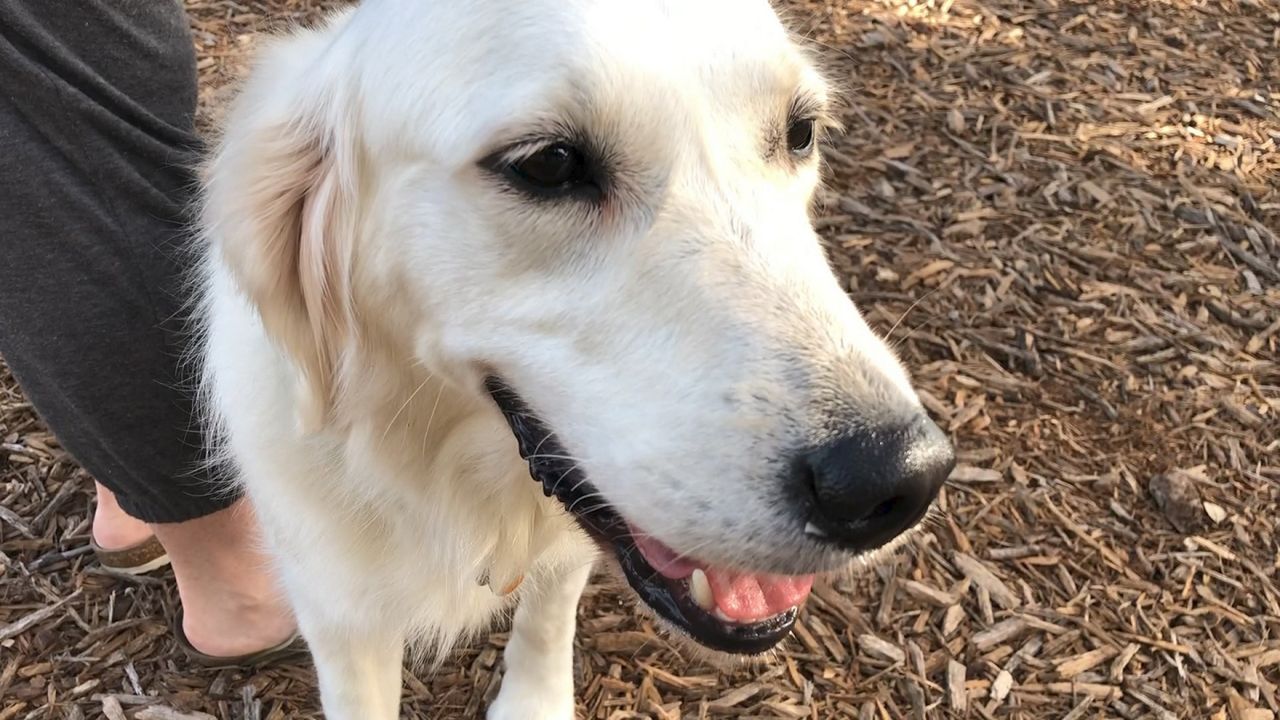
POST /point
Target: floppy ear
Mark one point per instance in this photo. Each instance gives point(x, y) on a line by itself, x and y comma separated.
point(279, 206)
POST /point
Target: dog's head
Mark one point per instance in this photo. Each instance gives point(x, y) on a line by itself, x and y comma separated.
point(597, 212)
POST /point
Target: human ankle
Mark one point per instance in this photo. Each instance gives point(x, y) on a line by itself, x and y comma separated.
point(236, 627)
point(230, 596)
point(113, 528)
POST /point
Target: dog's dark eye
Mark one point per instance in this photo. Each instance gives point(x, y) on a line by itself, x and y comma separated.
point(553, 170)
point(800, 137)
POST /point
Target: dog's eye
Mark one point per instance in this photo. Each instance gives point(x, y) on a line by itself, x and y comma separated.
point(554, 169)
point(800, 137)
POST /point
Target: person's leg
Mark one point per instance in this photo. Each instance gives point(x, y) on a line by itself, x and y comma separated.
point(96, 135)
point(230, 598)
point(97, 99)
point(204, 552)
point(113, 528)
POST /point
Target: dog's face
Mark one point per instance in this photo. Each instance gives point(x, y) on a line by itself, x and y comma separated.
point(597, 211)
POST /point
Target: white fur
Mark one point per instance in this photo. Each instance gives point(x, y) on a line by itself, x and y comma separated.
point(364, 275)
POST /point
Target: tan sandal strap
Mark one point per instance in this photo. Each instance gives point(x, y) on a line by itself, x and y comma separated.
point(136, 556)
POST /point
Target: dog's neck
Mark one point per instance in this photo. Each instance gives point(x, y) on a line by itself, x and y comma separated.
point(433, 437)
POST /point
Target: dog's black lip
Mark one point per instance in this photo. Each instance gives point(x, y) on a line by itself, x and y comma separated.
point(551, 466)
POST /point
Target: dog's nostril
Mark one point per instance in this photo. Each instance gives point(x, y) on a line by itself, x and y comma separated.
point(808, 479)
point(885, 508)
point(868, 488)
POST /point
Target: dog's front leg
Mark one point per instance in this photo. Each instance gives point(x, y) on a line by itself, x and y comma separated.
point(359, 672)
point(538, 683)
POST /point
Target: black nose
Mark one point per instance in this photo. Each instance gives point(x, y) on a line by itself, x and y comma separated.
point(868, 487)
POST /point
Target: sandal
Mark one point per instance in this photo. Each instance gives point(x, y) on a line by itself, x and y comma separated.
point(139, 559)
point(290, 648)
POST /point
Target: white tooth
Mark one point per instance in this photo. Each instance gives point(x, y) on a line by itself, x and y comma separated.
point(700, 590)
point(719, 615)
point(814, 530)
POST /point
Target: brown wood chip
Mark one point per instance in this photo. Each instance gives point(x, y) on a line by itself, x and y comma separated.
point(983, 577)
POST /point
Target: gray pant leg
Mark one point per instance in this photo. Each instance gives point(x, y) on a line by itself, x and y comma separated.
point(97, 99)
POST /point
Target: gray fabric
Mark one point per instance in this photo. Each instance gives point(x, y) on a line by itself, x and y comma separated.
point(97, 99)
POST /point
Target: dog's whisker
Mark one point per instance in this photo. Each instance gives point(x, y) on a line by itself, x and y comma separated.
point(590, 509)
point(589, 496)
point(889, 335)
point(412, 395)
point(579, 484)
point(909, 334)
point(426, 433)
point(548, 456)
point(595, 508)
point(555, 486)
point(545, 438)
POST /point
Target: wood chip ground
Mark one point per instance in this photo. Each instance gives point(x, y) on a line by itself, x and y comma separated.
point(1067, 212)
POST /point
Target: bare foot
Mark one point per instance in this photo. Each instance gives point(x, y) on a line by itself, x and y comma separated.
point(112, 528)
point(230, 598)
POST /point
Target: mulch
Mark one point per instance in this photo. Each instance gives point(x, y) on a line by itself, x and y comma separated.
point(1065, 214)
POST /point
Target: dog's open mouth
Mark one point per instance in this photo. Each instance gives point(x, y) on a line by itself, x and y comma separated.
point(726, 610)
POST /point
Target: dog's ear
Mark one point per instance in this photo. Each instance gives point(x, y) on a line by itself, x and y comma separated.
point(279, 207)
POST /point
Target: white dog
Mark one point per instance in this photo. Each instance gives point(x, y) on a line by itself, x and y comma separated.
point(453, 245)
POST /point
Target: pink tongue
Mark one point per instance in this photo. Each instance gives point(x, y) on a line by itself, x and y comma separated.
point(742, 597)
point(662, 558)
point(747, 598)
